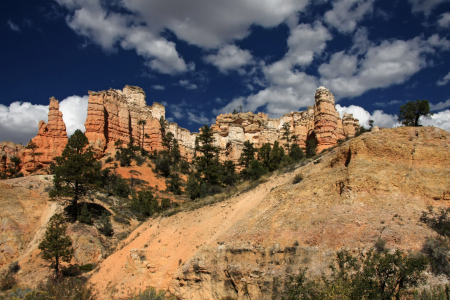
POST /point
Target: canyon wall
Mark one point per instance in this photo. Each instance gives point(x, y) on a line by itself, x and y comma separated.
point(115, 115)
point(7, 151)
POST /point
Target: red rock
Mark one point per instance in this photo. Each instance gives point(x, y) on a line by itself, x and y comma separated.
point(51, 140)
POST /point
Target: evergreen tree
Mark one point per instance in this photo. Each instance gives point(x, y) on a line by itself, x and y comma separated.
point(311, 147)
point(85, 215)
point(56, 246)
point(193, 187)
point(104, 224)
point(207, 162)
point(145, 203)
point(175, 152)
point(248, 154)
point(411, 112)
point(229, 175)
point(264, 154)
point(174, 184)
point(76, 170)
point(254, 171)
point(16, 161)
point(276, 155)
point(143, 123)
point(296, 152)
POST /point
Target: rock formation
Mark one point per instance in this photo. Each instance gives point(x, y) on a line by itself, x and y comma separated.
point(51, 140)
point(320, 122)
point(117, 114)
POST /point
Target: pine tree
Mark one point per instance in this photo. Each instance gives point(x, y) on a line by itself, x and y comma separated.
point(207, 162)
point(248, 154)
point(32, 146)
point(296, 152)
point(410, 113)
point(143, 123)
point(85, 215)
point(311, 147)
point(276, 155)
point(56, 246)
point(264, 154)
point(76, 170)
point(229, 176)
point(193, 187)
point(174, 184)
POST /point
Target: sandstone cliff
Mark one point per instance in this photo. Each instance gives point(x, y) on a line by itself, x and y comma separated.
point(50, 140)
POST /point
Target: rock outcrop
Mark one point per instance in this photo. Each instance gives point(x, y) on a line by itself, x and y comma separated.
point(320, 122)
point(50, 140)
point(7, 151)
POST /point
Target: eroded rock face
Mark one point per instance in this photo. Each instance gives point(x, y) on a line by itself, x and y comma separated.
point(51, 140)
point(7, 151)
point(321, 122)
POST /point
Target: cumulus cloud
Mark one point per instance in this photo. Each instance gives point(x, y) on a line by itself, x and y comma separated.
point(380, 118)
point(444, 80)
point(158, 87)
point(305, 42)
point(346, 14)
point(229, 57)
point(441, 120)
point(424, 6)
point(74, 109)
point(13, 26)
point(444, 20)
point(19, 121)
point(440, 105)
point(204, 23)
point(390, 62)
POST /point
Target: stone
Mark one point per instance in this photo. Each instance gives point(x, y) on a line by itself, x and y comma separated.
point(51, 140)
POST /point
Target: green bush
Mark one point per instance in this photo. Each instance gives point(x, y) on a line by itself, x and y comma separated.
point(104, 224)
point(298, 178)
point(71, 271)
point(162, 166)
point(437, 250)
point(85, 215)
point(255, 171)
point(109, 159)
point(87, 268)
point(296, 152)
point(139, 160)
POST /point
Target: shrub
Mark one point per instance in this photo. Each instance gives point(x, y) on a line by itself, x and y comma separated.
point(85, 216)
point(165, 203)
point(380, 244)
point(7, 282)
point(311, 147)
point(152, 294)
point(121, 187)
point(109, 159)
point(296, 152)
point(139, 160)
point(66, 289)
point(87, 268)
point(14, 267)
point(122, 220)
point(184, 167)
point(437, 251)
point(71, 271)
point(298, 178)
point(104, 224)
point(438, 221)
point(255, 171)
point(162, 166)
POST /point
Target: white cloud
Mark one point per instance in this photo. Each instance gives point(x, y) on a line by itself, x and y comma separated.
point(177, 111)
point(13, 26)
point(210, 24)
point(444, 80)
point(74, 109)
point(199, 119)
point(346, 14)
point(424, 6)
point(440, 119)
point(440, 105)
point(158, 87)
point(229, 57)
point(19, 122)
point(444, 20)
point(391, 62)
point(306, 41)
point(380, 118)
point(186, 84)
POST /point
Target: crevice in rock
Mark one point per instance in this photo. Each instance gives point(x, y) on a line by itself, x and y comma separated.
point(349, 157)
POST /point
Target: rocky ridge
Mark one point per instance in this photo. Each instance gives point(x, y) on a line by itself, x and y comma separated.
point(117, 114)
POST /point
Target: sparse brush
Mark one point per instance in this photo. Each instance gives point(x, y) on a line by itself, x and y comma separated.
point(298, 178)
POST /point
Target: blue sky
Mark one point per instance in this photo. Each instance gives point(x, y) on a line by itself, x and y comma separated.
point(205, 57)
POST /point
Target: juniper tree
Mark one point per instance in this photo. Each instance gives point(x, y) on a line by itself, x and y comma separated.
point(56, 246)
point(411, 112)
point(76, 170)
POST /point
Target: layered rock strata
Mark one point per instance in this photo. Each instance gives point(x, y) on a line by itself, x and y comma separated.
point(50, 140)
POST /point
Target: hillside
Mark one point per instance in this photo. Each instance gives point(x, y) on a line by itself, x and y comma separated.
point(374, 185)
